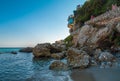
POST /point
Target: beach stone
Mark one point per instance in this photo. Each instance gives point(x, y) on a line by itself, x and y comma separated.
point(26, 50)
point(58, 65)
point(106, 56)
point(77, 58)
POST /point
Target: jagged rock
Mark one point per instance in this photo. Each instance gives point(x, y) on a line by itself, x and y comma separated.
point(77, 58)
point(95, 37)
point(59, 47)
point(58, 56)
point(84, 34)
point(118, 27)
point(55, 49)
point(26, 50)
point(106, 56)
point(58, 65)
point(42, 50)
point(45, 50)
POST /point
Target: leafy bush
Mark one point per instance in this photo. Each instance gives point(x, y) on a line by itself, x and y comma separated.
point(68, 40)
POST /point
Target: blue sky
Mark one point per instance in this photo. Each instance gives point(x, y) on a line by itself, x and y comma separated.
point(28, 22)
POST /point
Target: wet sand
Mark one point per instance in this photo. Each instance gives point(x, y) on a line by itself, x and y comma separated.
point(96, 74)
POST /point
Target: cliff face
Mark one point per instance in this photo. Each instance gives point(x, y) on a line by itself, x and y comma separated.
point(102, 31)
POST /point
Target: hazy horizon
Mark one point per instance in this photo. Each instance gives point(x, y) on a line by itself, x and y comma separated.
point(29, 22)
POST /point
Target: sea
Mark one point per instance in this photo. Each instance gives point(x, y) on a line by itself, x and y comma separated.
point(25, 67)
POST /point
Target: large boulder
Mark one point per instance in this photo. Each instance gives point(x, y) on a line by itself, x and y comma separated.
point(42, 50)
point(45, 50)
point(26, 50)
point(58, 65)
point(77, 58)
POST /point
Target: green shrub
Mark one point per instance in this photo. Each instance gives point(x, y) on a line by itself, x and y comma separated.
point(68, 41)
point(117, 41)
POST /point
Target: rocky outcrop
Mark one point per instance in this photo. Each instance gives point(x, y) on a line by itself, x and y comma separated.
point(98, 37)
point(26, 50)
point(58, 65)
point(46, 49)
point(85, 34)
point(77, 58)
point(42, 50)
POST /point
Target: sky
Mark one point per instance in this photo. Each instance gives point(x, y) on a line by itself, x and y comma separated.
point(29, 22)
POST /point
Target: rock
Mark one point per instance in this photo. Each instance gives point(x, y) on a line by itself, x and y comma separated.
point(106, 56)
point(55, 49)
point(115, 49)
point(106, 59)
point(13, 52)
point(106, 64)
point(118, 27)
point(102, 65)
point(96, 37)
point(42, 50)
point(45, 50)
point(26, 50)
point(97, 53)
point(84, 34)
point(58, 48)
point(58, 56)
point(58, 65)
point(77, 58)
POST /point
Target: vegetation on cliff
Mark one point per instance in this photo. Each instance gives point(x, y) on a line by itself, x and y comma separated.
point(93, 7)
point(68, 41)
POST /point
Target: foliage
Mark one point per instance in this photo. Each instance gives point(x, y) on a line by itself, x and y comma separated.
point(117, 41)
point(93, 7)
point(68, 40)
point(115, 38)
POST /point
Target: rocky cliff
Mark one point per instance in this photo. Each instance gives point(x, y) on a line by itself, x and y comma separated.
point(102, 31)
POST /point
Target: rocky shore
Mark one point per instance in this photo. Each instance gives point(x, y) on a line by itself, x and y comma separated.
point(95, 45)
